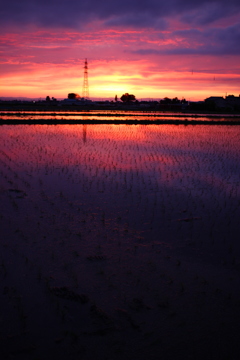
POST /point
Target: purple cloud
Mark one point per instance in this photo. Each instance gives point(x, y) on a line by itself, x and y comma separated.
point(135, 13)
point(212, 41)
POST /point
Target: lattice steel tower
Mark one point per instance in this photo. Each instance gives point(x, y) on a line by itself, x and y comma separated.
point(85, 93)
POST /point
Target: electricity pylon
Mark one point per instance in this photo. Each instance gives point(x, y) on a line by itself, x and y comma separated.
point(85, 93)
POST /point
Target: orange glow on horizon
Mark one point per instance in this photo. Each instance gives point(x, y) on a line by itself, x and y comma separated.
point(42, 80)
point(49, 64)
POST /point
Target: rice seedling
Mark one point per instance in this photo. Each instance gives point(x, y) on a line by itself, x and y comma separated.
point(129, 211)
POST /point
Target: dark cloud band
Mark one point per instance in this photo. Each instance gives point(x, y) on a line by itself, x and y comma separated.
point(134, 13)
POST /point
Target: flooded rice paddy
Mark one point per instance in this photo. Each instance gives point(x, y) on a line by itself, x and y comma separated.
point(112, 115)
point(120, 242)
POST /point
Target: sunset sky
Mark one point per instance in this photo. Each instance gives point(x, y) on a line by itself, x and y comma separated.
point(151, 49)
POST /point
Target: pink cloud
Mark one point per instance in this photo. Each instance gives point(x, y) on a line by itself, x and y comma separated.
point(150, 64)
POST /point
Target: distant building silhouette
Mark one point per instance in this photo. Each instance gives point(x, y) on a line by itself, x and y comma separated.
point(217, 101)
point(229, 102)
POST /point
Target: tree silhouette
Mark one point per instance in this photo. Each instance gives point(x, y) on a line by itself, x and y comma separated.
point(127, 97)
point(73, 96)
point(166, 100)
point(175, 101)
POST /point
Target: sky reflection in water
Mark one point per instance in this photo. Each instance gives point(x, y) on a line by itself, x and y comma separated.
point(151, 177)
point(123, 212)
point(111, 115)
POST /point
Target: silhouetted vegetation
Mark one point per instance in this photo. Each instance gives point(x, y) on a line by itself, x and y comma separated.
point(127, 97)
point(73, 96)
point(168, 101)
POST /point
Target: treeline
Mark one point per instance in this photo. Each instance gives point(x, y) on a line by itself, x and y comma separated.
point(168, 101)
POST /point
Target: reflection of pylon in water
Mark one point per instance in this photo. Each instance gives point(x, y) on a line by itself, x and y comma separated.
point(84, 133)
point(85, 94)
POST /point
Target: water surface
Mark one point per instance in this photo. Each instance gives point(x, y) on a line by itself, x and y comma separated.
point(112, 115)
point(142, 220)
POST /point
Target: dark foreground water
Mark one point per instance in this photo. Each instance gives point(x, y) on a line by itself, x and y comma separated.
point(120, 242)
